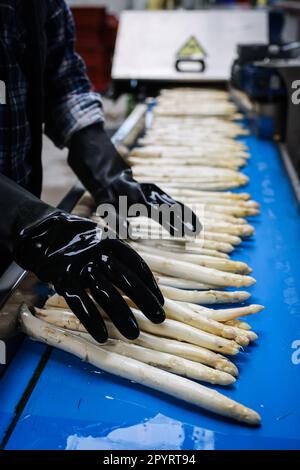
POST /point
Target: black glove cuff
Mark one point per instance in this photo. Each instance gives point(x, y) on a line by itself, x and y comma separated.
point(94, 159)
point(19, 209)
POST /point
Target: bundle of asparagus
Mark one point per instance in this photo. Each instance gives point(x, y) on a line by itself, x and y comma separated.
point(197, 339)
point(192, 102)
point(193, 134)
point(194, 340)
point(120, 359)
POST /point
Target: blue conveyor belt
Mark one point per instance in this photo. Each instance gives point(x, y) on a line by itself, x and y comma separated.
point(75, 406)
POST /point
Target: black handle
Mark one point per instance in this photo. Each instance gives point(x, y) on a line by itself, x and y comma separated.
point(181, 61)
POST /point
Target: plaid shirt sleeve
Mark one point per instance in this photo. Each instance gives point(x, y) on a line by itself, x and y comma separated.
point(70, 102)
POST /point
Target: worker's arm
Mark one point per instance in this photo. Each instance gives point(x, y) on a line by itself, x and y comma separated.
point(74, 117)
point(107, 176)
point(70, 102)
point(74, 254)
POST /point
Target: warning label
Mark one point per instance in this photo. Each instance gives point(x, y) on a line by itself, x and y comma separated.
point(192, 49)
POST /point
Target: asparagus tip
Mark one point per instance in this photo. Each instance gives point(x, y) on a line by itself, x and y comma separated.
point(232, 370)
point(245, 295)
point(225, 365)
point(252, 336)
point(255, 308)
point(227, 379)
point(249, 281)
point(242, 340)
point(251, 417)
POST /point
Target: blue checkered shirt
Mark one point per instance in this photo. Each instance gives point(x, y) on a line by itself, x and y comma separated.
point(71, 103)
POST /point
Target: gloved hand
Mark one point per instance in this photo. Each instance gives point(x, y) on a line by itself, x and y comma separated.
point(73, 253)
point(96, 162)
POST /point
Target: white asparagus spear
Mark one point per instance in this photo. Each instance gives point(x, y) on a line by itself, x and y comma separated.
point(224, 315)
point(197, 193)
point(210, 262)
point(61, 317)
point(166, 361)
point(167, 149)
point(207, 218)
point(215, 217)
point(139, 225)
point(180, 283)
point(226, 144)
point(208, 186)
point(241, 328)
point(183, 124)
point(194, 136)
point(245, 230)
point(202, 181)
point(238, 323)
point(196, 273)
point(187, 162)
point(203, 243)
point(220, 136)
point(132, 369)
point(181, 312)
point(178, 348)
point(142, 155)
point(225, 130)
point(174, 248)
point(164, 149)
point(199, 172)
point(222, 237)
point(179, 246)
point(142, 233)
point(238, 211)
point(53, 313)
point(213, 201)
point(191, 126)
point(188, 126)
point(169, 329)
point(56, 301)
point(210, 217)
point(204, 297)
point(242, 336)
point(151, 232)
point(183, 332)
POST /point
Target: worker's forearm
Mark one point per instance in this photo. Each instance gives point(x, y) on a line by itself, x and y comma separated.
point(18, 208)
point(94, 159)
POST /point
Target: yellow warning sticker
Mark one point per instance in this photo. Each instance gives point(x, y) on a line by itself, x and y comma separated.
point(192, 48)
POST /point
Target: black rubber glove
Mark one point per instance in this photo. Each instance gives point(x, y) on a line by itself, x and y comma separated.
point(96, 162)
point(75, 254)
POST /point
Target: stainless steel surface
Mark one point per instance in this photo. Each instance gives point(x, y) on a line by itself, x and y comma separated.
point(148, 42)
point(131, 128)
